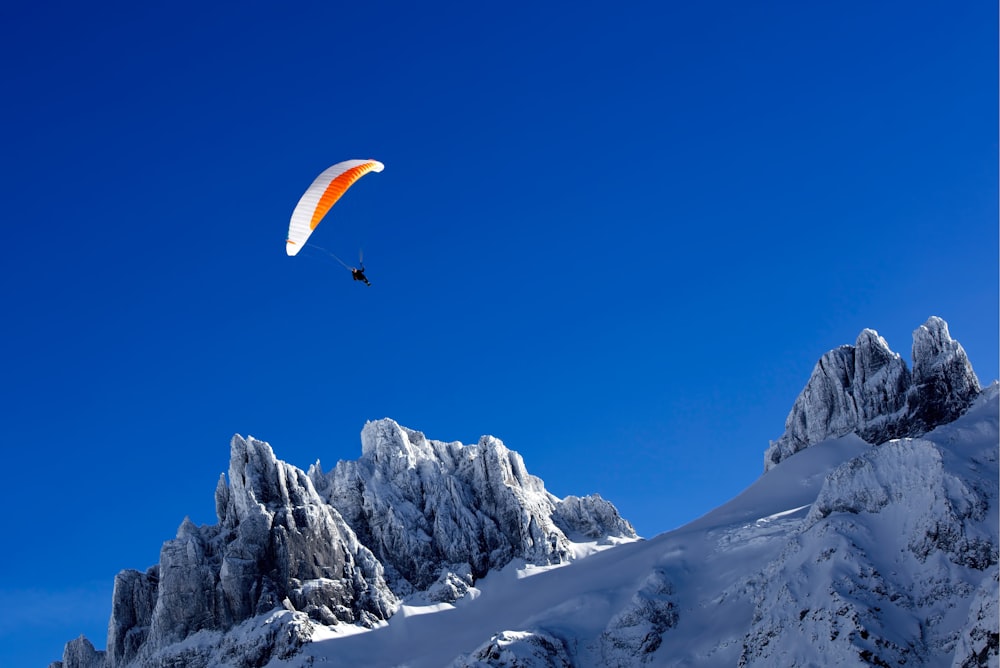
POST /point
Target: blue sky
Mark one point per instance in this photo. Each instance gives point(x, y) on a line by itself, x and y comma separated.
point(617, 239)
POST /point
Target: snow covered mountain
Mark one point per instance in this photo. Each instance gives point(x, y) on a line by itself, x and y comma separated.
point(866, 389)
point(291, 553)
point(871, 539)
point(442, 514)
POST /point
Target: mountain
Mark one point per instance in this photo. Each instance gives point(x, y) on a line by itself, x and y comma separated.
point(866, 389)
point(438, 514)
point(871, 539)
point(294, 551)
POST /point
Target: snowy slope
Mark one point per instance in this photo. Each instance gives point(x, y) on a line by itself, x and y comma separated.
point(853, 548)
point(787, 573)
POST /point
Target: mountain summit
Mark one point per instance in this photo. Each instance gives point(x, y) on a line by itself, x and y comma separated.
point(867, 390)
point(438, 514)
point(871, 539)
point(294, 551)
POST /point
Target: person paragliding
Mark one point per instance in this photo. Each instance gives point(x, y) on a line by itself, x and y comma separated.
point(317, 201)
point(359, 274)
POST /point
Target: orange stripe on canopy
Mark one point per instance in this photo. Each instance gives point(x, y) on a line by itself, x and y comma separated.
point(336, 189)
point(320, 197)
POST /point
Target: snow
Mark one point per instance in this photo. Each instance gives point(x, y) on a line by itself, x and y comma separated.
point(506, 601)
point(705, 585)
point(440, 514)
point(842, 552)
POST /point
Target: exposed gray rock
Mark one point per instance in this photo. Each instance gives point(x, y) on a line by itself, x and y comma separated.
point(885, 565)
point(80, 653)
point(979, 645)
point(634, 634)
point(424, 506)
point(187, 599)
point(453, 584)
point(277, 546)
point(280, 539)
point(944, 383)
point(866, 389)
point(943, 509)
point(132, 607)
point(259, 641)
point(590, 517)
point(249, 589)
point(880, 385)
point(511, 649)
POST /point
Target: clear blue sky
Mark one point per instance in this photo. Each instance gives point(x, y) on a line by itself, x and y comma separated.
point(616, 238)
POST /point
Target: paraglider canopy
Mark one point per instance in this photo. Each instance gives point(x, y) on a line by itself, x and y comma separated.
point(321, 196)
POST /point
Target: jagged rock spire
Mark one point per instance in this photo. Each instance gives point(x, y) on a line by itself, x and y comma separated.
point(944, 383)
point(431, 509)
point(277, 545)
point(437, 514)
point(866, 389)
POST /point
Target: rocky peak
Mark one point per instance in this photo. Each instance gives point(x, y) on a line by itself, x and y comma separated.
point(944, 383)
point(895, 561)
point(866, 389)
point(879, 385)
point(391, 447)
point(283, 557)
point(285, 542)
point(432, 510)
point(80, 653)
point(277, 546)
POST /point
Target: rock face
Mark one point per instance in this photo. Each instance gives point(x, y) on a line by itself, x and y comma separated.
point(430, 510)
point(866, 389)
point(944, 383)
point(845, 554)
point(80, 653)
point(131, 613)
point(278, 546)
point(283, 558)
point(509, 648)
point(282, 541)
point(979, 644)
point(635, 633)
point(900, 542)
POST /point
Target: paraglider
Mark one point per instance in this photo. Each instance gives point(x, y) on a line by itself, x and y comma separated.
point(359, 274)
point(317, 201)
